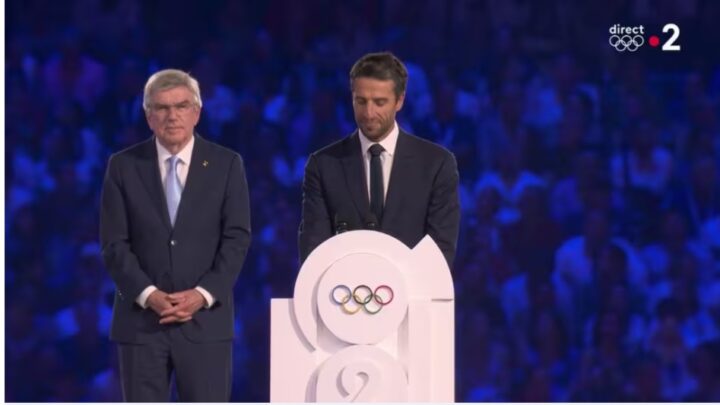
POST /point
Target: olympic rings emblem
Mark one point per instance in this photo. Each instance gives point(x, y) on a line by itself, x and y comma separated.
point(362, 296)
point(626, 42)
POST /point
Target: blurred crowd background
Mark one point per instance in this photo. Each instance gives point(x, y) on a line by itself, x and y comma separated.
point(589, 260)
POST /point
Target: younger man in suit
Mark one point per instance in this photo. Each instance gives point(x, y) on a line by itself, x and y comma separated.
point(381, 177)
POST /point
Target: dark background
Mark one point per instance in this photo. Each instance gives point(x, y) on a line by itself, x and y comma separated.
point(589, 259)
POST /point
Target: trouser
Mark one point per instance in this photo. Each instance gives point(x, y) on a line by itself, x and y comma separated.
point(203, 371)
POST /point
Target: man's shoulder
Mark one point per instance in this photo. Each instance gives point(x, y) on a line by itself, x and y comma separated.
point(338, 148)
point(425, 147)
point(351, 143)
point(216, 149)
point(142, 149)
point(146, 150)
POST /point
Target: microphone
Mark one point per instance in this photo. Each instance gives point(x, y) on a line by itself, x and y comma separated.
point(340, 225)
point(371, 222)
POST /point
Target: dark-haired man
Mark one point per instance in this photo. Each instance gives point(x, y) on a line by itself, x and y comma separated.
point(380, 177)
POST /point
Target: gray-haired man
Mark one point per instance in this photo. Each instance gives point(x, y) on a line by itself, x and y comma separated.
point(175, 229)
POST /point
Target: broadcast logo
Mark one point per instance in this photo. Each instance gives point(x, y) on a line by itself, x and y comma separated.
point(631, 38)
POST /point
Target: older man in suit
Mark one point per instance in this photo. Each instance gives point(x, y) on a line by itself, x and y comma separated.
point(175, 229)
point(380, 177)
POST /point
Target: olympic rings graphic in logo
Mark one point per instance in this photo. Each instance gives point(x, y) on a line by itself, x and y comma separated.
point(626, 42)
point(372, 301)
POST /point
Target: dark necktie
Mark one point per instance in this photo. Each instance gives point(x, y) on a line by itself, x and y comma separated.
point(377, 189)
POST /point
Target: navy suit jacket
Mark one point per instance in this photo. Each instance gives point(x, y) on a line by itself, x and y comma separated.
point(422, 195)
point(206, 247)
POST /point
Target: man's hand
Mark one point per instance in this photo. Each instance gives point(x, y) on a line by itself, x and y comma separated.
point(158, 301)
point(183, 305)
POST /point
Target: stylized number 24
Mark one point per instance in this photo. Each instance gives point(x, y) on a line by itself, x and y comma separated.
point(670, 45)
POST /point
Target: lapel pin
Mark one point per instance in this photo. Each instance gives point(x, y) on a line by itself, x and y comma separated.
point(205, 163)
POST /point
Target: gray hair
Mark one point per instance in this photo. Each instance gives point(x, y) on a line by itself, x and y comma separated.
point(168, 79)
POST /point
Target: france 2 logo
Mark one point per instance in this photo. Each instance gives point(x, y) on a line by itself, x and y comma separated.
point(631, 38)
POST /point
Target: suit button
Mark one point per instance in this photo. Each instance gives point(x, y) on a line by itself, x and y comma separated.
point(172, 242)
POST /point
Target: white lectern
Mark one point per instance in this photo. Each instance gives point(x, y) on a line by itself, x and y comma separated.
point(371, 320)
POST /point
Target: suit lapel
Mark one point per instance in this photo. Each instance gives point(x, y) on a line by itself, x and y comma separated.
point(355, 174)
point(399, 184)
point(149, 173)
point(197, 178)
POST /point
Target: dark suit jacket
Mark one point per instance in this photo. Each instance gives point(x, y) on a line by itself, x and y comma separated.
point(422, 195)
point(206, 247)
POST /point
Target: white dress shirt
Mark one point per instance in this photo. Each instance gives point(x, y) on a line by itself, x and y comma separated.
point(183, 168)
point(386, 157)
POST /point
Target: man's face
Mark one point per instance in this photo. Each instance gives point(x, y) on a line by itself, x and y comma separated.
point(375, 105)
point(172, 115)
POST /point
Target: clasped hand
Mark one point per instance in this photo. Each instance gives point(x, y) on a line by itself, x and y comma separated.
point(176, 307)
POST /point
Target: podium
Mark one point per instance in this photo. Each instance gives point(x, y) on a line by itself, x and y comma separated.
point(371, 320)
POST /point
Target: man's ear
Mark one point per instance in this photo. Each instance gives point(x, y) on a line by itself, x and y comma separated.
point(400, 102)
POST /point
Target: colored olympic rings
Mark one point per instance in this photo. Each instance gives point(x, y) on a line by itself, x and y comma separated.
point(362, 296)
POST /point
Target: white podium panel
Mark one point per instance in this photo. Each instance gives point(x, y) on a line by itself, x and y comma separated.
point(370, 321)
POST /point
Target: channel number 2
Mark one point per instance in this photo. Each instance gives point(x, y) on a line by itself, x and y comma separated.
point(670, 44)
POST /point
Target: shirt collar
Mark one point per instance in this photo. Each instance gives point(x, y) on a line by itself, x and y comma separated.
point(388, 143)
point(185, 154)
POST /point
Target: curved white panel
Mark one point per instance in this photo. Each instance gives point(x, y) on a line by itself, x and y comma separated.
point(361, 374)
point(428, 274)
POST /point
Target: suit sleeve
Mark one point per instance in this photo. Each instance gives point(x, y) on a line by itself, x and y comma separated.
point(315, 224)
point(121, 262)
point(235, 237)
point(443, 221)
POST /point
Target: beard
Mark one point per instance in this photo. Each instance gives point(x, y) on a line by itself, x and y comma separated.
point(375, 130)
